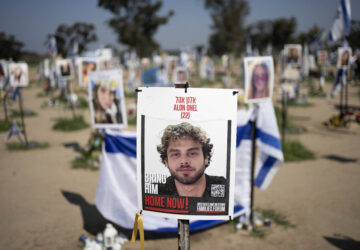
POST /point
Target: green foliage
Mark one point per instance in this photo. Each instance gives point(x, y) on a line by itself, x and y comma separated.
point(296, 151)
point(228, 18)
point(65, 124)
point(260, 34)
point(5, 125)
point(130, 94)
point(41, 95)
point(354, 37)
point(82, 103)
point(136, 22)
point(275, 217)
point(283, 31)
point(10, 47)
point(132, 120)
point(306, 37)
point(91, 162)
point(14, 146)
point(201, 82)
point(278, 32)
point(258, 233)
point(26, 113)
point(82, 33)
point(290, 127)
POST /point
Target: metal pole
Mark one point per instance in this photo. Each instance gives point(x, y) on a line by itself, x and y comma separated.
point(5, 109)
point(346, 92)
point(22, 115)
point(183, 235)
point(284, 116)
point(253, 154)
point(69, 92)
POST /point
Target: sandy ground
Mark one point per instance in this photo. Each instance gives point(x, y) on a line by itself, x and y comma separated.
point(47, 205)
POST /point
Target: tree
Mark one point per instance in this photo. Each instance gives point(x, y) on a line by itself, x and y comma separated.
point(354, 37)
point(306, 37)
point(282, 32)
point(66, 36)
point(10, 47)
point(260, 34)
point(136, 22)
point(228, 18)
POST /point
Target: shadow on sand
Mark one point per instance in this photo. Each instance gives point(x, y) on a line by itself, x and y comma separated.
point(94, 222)
point(343, 242)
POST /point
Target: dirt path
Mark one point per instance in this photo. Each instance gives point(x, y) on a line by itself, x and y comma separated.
point(47, 205)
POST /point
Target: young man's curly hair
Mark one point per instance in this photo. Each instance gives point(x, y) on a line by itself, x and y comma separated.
point(174, 132)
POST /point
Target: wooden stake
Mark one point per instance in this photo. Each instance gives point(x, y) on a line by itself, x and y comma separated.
point(22, 115)
point(184, 234)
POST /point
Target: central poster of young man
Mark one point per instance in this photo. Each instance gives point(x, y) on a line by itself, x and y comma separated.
point(186, 152)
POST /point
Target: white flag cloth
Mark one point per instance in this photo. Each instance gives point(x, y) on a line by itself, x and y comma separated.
point(116, 194)
point(342, 21)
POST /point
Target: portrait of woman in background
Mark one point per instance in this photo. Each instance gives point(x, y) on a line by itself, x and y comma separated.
point(106, 104)
point(18, 74)
point(259, 87)
point(259, 78)
point(87, 66)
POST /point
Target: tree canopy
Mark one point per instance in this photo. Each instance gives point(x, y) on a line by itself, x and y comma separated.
point(228, 18)
point(66, 36)
point(10, 47)
point(136, 22)
point(354, 37)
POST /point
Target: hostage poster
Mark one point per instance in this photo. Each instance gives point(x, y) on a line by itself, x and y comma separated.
point(186, 152)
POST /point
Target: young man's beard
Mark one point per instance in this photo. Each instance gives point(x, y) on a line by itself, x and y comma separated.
point(187, 179)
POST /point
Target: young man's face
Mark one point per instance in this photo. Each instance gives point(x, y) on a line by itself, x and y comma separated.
point(185, 160)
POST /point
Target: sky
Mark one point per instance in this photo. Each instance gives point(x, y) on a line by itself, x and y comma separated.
point(32, 20)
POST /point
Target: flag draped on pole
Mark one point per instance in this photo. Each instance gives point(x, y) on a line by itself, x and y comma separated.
point(342, 21)
point(116, 194)
point(51, 47)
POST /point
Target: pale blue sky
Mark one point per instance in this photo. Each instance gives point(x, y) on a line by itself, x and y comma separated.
point(31, 20)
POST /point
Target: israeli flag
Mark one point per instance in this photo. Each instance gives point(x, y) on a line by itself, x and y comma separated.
point(51, 47)
point(342, 21)
point(74, 50)
point(116, 194)
point(15, 94)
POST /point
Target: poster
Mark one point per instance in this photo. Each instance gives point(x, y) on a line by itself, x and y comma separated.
point(186, 148)
point(322, 57)
point(86, 65)
point(293, 54)
point(64, 69)
point(19, 76)
point(259, 78)
point(180, 75)
point(344, 55)
point(106, 99)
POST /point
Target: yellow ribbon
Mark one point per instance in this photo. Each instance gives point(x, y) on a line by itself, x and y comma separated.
point(138, 224)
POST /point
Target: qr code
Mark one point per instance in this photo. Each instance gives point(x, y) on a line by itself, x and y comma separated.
point(217, 190)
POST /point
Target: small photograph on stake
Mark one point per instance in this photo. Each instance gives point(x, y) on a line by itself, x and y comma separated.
point(322, 57)
point(86, 66)
point(293, 54)
point(259, 78)
point(106, 98)
point(19, 76)
point(187, 152)
point(64, 69)
point(180, 75)
point(344, 55)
